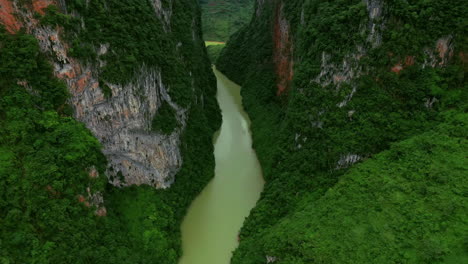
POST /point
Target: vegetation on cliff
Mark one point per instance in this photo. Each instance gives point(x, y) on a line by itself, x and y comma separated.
point(403, 205)
point(48, 160)
point(45, 159)
point(357, 88)
point(137, 40)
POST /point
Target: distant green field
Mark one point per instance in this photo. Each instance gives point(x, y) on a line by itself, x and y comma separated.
point(214, 49)
point(214, 43)
point(221, 18)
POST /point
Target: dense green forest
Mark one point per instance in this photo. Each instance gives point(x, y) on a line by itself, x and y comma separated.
point(359, 120)
point(316, 207)
point(137, 40)
point(404, 205)
point(214, 51)
point(49, 161)
point(222, 18)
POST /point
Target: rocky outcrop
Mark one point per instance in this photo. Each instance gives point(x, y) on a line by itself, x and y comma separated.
point(163, 11)
point(350, 68)
point(283, 51)
point(123, 125)
point(7, 17)
point(121, 121)
point(374, 9)
point(348, 160)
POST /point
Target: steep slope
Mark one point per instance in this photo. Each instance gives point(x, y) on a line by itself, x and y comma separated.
point(221, 18)
point(332, 83)
point(404, 205)
point(136, 74)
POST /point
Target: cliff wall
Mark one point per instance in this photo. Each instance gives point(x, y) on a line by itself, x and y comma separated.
point(104, 105)
point(119, 111)
point(329, 84)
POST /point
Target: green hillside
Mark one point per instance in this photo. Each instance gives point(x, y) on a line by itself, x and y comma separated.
point(221, 18)
point(328, 84)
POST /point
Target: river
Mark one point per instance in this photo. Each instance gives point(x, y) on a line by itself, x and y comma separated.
point(210, 228)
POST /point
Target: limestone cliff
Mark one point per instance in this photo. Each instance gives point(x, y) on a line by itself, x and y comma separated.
point(119, 114)
point(96, 98)
point(328, 84)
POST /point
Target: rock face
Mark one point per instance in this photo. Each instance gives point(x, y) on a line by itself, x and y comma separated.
point(329, 84)
point(121, 121)
point(7, 17)
point(163, 11)
point(283, 51)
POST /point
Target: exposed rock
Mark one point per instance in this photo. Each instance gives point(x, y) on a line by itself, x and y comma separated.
point(40, 5)
point(317, 124)
point(93, 173)
point(163, 13)
point(283, 51)
point(374, 8)
point(397, 68)
point(409, 61)
point(101, 211)
point(444, 49)
point(439, 55)
point(93, 199)
point(350, 68)
point(430, 102)
point(7, 17)
point(270, 259)
point(122, 123)
point(348, 98)
point(348, 160)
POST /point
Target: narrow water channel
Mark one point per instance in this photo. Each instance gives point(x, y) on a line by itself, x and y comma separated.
point(211, 226)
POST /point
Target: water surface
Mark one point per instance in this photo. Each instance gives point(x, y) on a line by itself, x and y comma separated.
point(210, 228)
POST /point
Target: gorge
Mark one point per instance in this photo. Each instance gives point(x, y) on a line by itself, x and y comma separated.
point(119, 143)
point(211, 227)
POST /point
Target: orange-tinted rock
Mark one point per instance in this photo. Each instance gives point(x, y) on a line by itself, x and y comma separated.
point(397, 68)
point(7, 17)
point(76, 67)
point(409, 60)
point(22, 83)
point(93, 173)
point(70, 74)
point(53, 38)
point(40, 5)
point(442, 48)
point(66, 73)
point(338, 78)
point(126, 113)
point(101, 211)
point(95, 85)
point(81, 198)
point(82, 82)
point(282, 52)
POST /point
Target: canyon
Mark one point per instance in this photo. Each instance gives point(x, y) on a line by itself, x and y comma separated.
point(327, 132)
